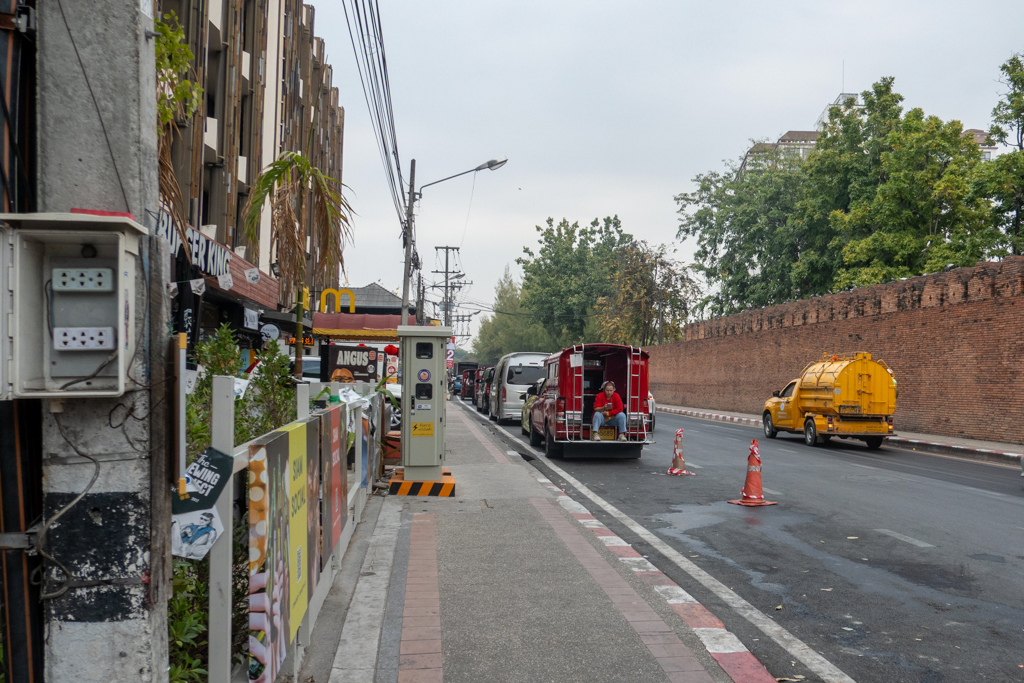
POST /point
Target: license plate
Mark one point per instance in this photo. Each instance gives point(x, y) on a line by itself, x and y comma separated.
point(606, 433)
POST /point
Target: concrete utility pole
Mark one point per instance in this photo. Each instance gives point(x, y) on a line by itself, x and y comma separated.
point(106, 619)
point(410, 201)
point(449, 275)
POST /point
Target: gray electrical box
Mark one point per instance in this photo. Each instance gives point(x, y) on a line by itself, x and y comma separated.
point(6, 311)
point(70, 295)
point(424, 400)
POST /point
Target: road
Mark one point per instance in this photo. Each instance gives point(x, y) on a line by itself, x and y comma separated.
point(895, 565)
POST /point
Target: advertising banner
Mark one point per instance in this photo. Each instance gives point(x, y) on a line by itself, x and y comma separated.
point(313, 502)
point(298, 536)
point(350, 364)
point(335, 488)
point(269, 570)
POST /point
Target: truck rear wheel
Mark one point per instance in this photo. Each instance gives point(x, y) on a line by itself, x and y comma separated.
point(551, 449)
point(769, 428)
point(534, 437)
point(874, 442)
point(810, 432)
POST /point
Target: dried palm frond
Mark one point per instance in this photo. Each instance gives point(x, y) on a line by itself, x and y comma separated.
point(287, 182)
point(170, 191)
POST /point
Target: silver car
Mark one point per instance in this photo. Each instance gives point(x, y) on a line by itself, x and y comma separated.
point(513, 375)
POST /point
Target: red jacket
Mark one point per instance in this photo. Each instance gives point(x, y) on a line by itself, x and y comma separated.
point(616, 402)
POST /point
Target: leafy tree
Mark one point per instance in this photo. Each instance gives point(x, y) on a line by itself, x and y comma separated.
point(745, 247)
point(572, 269)
point(1004, 177)
point(511, 328)
point(652, 295)
point(923, 215)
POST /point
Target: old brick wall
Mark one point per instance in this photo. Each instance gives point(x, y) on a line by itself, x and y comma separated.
point(955, 342)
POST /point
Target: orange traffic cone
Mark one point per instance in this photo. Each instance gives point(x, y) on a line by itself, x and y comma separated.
point(678, 463)
point(752, 493)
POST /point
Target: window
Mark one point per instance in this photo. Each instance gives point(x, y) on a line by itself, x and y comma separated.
point(424, 349)
point(424, 391)
point(788, 391)
point(523, 374)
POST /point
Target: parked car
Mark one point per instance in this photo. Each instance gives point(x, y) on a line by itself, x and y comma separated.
point(310, 367)
point(528, 397)
point(483, 389)
point(513, 375)
point(468, 384)
point(562, 414)
point(457, 386)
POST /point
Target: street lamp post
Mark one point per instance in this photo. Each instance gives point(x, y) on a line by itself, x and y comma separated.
point(492, 165)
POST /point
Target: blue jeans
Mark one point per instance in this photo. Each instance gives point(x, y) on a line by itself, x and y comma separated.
point(619, 422)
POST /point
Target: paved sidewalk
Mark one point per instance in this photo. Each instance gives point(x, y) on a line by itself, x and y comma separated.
point(511, 580)
point(929, 443)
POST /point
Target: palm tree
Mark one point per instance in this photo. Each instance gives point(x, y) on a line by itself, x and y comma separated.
point(289, 182)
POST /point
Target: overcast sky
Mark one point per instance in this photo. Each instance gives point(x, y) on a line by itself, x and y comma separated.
point(609, 108)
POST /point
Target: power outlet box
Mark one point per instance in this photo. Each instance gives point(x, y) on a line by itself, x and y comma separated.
point(6, 311)
point(83, 280)
point(84, 339)
point(72, 284)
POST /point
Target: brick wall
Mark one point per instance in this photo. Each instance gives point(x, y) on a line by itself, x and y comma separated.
point(955, 342)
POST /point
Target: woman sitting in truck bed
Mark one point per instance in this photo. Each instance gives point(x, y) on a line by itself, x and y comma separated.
point(608, 411)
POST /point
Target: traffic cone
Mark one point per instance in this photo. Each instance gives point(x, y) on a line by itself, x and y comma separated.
point(678, 463)
point(752, 493)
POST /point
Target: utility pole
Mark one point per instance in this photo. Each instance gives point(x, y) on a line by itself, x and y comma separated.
point(105, 604)
point(449, 275)
point(410, 201)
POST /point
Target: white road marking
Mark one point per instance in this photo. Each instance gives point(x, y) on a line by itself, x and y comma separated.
point(818, 665)
point(694, 465)
point(863, 467)
point(675, 595)
point(612, 540)
point(771, 491)
point(719, 641)
point(511, 452)
point(905, 539)
point(572, 506)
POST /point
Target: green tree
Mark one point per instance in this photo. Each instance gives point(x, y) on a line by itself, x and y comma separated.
point(572, 269)
point(745, 246)
point(924, 214)
point(652, 295)
point(1004, 177)
point(511, 327)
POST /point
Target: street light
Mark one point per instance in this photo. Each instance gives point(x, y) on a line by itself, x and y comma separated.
point(492, 165)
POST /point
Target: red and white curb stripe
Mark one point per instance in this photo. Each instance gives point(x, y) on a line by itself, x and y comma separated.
point(710, 416)
point(952, 449)
point(741, 665)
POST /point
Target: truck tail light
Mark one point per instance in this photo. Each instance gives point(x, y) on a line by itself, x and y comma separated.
point(831, 424)
point(560, 409)
point(503, 393)
point(889, 420)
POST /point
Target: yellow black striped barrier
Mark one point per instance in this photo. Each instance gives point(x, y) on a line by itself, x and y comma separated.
point(443, 489)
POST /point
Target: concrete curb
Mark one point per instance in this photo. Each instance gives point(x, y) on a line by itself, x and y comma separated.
point(899, 441)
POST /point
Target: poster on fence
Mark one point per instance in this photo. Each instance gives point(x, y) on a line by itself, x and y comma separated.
point(335, 491)
point(269, 569)
point(314, 546)
point(298, 535)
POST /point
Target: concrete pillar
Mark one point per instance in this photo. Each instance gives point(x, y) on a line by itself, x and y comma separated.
point(98, 150)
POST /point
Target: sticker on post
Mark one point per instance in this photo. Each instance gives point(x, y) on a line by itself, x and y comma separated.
point(422, 428)
point(422, 406)
point(424, 375)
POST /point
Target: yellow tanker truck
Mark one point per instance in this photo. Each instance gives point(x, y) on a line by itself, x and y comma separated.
point(849, 396)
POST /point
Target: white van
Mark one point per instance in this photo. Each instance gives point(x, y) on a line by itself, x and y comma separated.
point(513, 375)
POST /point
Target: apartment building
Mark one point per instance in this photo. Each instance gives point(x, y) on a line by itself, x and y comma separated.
point(267, 89)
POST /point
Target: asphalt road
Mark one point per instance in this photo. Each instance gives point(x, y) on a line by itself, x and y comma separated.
point(895, 565)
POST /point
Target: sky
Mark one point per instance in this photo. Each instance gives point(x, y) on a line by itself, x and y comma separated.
point(612, 108)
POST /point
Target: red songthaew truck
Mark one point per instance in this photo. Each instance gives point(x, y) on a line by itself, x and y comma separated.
point(562, 414)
